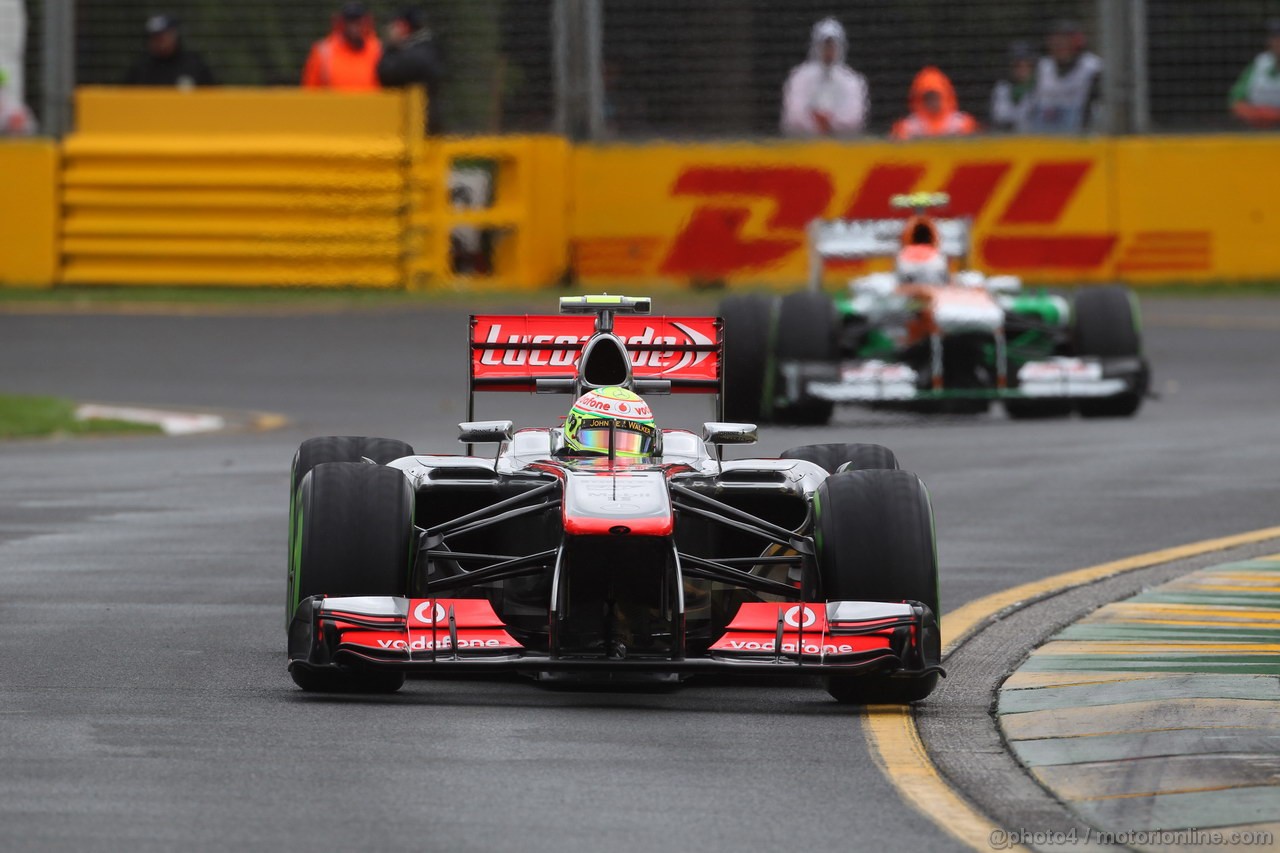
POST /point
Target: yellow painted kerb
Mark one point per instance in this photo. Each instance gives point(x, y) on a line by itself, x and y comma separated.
point(891, 730)
point(963, 621)
point(896, 747)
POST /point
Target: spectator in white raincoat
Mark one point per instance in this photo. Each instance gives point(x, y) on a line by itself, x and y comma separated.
point(824, 96)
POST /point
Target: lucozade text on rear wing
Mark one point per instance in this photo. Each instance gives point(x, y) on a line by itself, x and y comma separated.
point(540, 353)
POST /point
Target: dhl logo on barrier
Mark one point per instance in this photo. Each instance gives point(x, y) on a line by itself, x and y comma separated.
point(712, 243)
point(1048, 213)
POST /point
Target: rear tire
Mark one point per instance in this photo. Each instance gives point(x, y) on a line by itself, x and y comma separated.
point(746, 355)
point(1105, 324)
point(844, 457)
point(807, 331)
point(876, 543)
point(345, 448)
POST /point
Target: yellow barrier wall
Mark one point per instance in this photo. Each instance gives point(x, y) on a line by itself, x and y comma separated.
point(28, 212)
point(285, 186)
point(530, 211)
point(282, 186)
point(1198, 208)
point(235, 186)
point(1052, 210)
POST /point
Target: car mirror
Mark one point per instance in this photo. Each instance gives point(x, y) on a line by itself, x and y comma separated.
point(716, 432)
point(483, 432)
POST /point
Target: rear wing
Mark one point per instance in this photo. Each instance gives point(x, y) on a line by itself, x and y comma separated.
point(541, 353)
point(855, 239)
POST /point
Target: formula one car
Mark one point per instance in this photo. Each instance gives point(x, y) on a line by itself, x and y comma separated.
point(584, 560)
point(928, 338)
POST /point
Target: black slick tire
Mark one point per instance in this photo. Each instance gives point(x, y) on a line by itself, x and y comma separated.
point(332, 448)
point(1105, 324)
point(844, 457)
point(747, 321)
point(355, 536)
point(875, 542)
point(807, 331)
point(344, 448)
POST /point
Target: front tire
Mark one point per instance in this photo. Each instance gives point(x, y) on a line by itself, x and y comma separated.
point(875, 538)
point(1105, 324)
point(355, 531)
point(354, 535)
point(331, 448)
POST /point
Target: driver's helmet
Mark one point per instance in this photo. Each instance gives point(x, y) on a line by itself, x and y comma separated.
point(922, 265)
point(611, 414)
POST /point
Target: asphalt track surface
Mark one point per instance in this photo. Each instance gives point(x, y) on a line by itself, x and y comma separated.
point(144, 702)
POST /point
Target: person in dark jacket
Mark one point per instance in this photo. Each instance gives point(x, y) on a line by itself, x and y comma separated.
point(410, 57)
point(167, 62)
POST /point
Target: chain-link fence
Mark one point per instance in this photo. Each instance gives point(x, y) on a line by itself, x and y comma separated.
point(497, 52)
point(714, 68)
point(719, 68)
point(1197, 51)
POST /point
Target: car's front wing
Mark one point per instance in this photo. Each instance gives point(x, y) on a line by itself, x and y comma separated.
point(465, 635)
point(871, 381)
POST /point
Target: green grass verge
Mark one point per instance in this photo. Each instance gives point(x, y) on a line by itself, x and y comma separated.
point(29, 417)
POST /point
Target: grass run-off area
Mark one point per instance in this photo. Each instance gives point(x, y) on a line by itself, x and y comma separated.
point(24, 416)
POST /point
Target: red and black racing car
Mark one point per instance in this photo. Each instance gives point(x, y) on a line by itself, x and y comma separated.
point(618, 550)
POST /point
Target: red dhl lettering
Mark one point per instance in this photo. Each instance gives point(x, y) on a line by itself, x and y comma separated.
point(712, 243)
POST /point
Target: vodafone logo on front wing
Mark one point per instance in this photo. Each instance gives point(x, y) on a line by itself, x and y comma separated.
point(792, 617)
point(428, 615)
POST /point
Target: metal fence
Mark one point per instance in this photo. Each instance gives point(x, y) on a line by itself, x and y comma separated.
point(699, 68)
point(498, 52)
point(1196, 52)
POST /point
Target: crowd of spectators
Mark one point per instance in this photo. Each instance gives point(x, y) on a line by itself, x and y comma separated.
point(1058, 92)
point(351, 57)
point(1255, 98)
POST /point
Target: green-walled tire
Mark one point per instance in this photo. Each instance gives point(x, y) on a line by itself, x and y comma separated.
point(332, 448)
point(354, 536)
